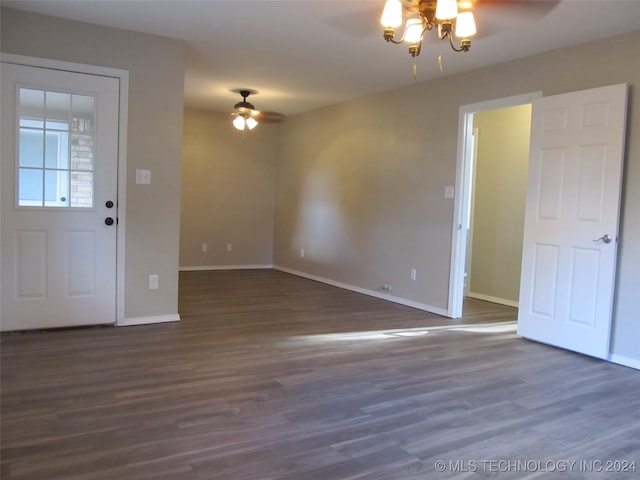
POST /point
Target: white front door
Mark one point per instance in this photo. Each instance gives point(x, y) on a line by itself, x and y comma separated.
point(571, 219)
point(58, 190)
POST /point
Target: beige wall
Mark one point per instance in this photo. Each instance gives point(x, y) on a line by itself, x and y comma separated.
point(499, 202)
point(360, 184)
point(156, 90)
point(228, 193)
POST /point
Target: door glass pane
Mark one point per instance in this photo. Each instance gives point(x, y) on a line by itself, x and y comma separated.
point(53, 125)
point(31, 107)
point(81, 189)
point(81, 149)
point(83, 105)
point(58, 106)
point(31, 150)
point(29, 122)
point(56, 152)
point(56, 188)
point(30, 181)
point(82, 132)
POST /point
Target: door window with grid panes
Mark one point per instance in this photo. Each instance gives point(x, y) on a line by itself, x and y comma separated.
point(56, 149)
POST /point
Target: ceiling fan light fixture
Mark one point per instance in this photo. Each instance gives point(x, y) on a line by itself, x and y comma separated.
point(243, 122)
point(251, 122)
point(246, 117)
point(244, 111)
point(239, 122)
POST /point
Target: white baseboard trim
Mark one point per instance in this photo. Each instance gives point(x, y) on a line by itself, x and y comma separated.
point(489, 298)
point(129, 322)
point(224, 267)
point(626, 361)
point(364, 291)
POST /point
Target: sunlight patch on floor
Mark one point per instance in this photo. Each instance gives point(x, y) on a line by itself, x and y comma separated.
point(505, 327)
point(502, 327)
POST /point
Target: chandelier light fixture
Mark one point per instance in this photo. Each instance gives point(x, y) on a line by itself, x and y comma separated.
point(449, 16)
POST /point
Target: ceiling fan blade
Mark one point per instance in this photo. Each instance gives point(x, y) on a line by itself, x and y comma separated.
point(363, 23)
point(494, 16)
point(270, 117)
point(531, 9)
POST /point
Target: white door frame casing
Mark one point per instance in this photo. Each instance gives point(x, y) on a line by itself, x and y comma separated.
point(123, 78)
point(463, 191)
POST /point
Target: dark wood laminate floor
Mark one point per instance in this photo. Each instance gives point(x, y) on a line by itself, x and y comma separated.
point(270, 376)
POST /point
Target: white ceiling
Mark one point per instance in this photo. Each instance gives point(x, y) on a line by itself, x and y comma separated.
point(304, 54)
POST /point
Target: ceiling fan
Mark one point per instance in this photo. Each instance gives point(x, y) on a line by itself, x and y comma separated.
point(495, 16)
point(246, 115)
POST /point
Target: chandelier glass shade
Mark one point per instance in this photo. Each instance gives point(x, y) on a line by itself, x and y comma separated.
point(450, 18)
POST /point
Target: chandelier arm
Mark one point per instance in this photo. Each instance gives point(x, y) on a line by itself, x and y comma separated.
point(463, 48)
point(393, 40)
point(419, 49)
point(389, 36)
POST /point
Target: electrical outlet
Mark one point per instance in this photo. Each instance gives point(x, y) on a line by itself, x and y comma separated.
point(413, 274)
point(302, 252)
point(205, 247)
point(386, 288)
point(153, 282)
point(229, 247)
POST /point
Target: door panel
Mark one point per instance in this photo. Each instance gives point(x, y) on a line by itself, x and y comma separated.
point(58, 168)
point(545, 267)
point(573, 197)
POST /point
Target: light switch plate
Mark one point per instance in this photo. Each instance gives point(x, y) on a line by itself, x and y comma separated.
point(143, 177)
point(449, 191)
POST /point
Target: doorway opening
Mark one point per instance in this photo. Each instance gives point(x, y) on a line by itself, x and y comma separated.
point(487, 231)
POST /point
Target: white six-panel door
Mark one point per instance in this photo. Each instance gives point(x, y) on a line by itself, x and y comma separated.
point(58, 186)
point(571, 219)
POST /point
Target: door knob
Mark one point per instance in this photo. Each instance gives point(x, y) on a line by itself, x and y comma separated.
point(108, 221)
point(606, 238)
